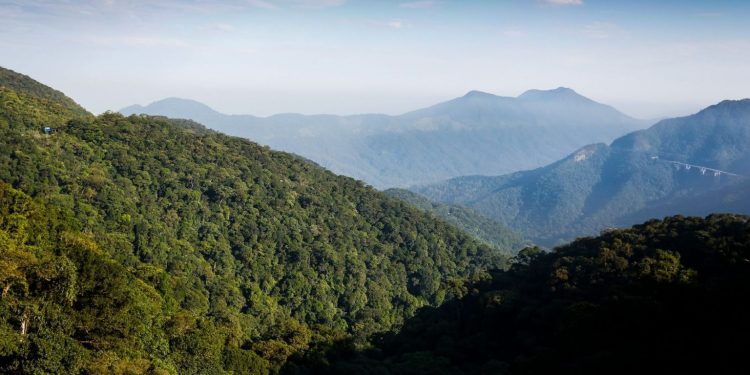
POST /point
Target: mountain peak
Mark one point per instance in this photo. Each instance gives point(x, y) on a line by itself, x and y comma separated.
point(173, 107)
point(728, 105)
point(479, 94)
point(174, 101)
point(558, 93)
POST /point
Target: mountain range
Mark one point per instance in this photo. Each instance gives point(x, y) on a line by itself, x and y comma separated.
point(692, 165)
point(478, 133)
point(149, 245)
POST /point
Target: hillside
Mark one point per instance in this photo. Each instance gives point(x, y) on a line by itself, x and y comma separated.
point(480, 227)
point(148, 245)
point(637, 177)
point(662, 297)
point(478, 133)
point(55, 101)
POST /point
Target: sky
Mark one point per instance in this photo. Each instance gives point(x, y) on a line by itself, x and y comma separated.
point(650, 59)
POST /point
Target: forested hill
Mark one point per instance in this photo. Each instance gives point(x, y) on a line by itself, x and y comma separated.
point(146, 245)
point(665, 297)
point(697, 164)
point(55, 102)
point(481, 227)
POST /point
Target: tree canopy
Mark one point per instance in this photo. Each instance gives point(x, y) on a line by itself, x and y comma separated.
point(143, 244)
point(667, 296)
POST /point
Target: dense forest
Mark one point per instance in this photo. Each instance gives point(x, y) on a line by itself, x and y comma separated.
point(142, 244)
point(667, 296)
point(477, 225)
point(145, 245)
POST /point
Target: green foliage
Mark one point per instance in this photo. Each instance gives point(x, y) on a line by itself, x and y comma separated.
point(663, 297)
point(65, 303)
point(53, 100)
point(480, 227)
point(148, 245)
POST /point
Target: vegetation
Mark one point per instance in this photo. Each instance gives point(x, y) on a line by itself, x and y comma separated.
point(663, 297)
point(55, 102)
point(627, 182)
point(480, 227)
point(147, 245)
point(144, 245)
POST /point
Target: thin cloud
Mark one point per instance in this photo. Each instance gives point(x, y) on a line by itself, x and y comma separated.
point(310, 4)
point(395, 24)
point(426, 4)
point(261, 4)
point(562, 2)
point(99, 7)
point(139, 41)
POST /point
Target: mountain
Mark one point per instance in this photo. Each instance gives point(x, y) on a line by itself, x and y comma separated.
point(664, 297)
point(639, 176)
point(480, 227)
point(148, 245)
point(56, 102)
point(188, 109)
point(478, 133)
point(145, 245)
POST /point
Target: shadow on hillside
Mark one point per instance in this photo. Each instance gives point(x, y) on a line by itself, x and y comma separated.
point(664, 297)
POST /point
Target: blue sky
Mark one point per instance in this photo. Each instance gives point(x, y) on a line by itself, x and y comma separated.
point(647, 58)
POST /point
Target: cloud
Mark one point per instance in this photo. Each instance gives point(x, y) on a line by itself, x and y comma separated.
point(138, 41)
point(310, 4)
point(561, 2)
point(99, 7)
point(261, 4)
point(153, 41)
point(396, 24)
point(425, 4)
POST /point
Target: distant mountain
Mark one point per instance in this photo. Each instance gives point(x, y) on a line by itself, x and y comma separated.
point(189, 109)
point(638, 176)
point(478, 133)
point(479, 226)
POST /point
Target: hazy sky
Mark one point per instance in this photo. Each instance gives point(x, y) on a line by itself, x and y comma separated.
point(647, 58)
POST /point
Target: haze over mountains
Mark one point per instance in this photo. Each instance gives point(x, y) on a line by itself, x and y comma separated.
point(478, 133)
point(637, 177)
point(576, 193)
